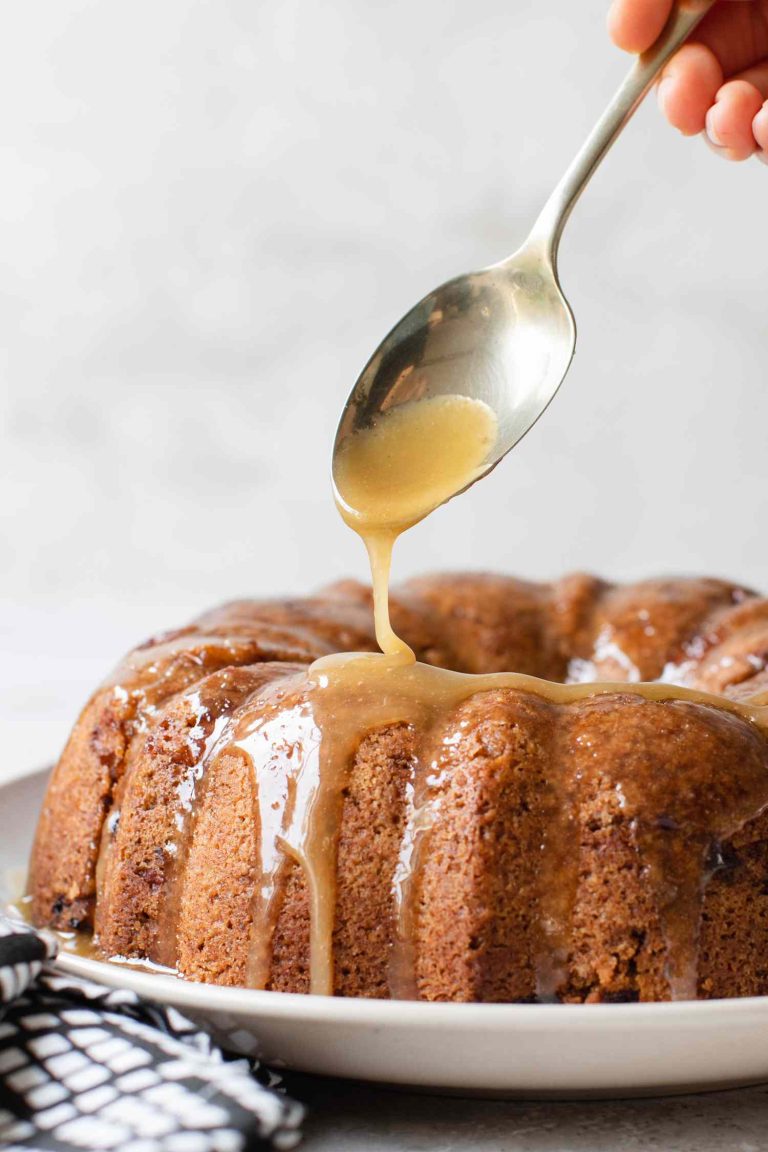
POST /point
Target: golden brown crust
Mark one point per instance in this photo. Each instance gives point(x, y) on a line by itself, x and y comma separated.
point(62, 876)
point(478, 892)
point(733, 945)
point(215, 916)
point(488, 623)
point(147, 833)
point(373, 819)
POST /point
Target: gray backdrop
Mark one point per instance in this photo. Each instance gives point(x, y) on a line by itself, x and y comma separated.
point(210, 214)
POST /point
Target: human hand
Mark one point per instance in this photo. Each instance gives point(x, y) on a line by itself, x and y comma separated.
point(716, 83)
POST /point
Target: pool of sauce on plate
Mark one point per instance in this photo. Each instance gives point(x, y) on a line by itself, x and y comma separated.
point(85, 945)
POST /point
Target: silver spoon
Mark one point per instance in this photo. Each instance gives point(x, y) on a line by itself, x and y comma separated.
point(506, 335)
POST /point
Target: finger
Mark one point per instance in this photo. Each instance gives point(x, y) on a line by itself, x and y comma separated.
point(760, 132)
point(729, 120)
point(635, 24)
point(758, 76)
point(688, 87)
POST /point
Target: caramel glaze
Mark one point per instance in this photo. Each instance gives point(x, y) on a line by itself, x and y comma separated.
point(84, 944)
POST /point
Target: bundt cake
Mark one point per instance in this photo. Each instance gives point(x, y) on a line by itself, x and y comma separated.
point(508, 840)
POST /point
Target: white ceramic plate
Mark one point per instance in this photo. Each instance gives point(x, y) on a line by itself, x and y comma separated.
point(525, 1050)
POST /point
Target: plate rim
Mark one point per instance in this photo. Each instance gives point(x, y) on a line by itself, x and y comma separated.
point(365, 1011)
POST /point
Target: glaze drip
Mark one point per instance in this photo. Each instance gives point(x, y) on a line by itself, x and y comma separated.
point(389, 476)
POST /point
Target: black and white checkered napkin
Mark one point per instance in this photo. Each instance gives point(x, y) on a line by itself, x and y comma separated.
point(84, 1067)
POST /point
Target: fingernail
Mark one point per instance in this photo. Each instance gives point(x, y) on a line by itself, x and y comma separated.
point(712, 132)
point(760, 122)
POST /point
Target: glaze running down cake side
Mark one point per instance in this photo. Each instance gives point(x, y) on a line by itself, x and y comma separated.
point(582, 836)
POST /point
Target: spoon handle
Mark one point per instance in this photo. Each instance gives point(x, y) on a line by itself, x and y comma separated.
point(548, 228)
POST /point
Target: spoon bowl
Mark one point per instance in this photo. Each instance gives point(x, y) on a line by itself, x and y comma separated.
point(505, 335)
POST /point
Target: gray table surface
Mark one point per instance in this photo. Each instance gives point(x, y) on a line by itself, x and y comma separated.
point(344, 1117)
